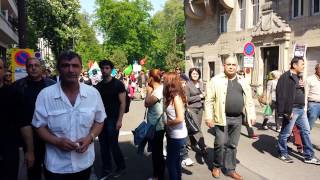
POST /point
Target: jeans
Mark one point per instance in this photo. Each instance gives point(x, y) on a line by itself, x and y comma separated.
point(109, 144)
point(82, 175)
point(174, 159)
point(157, 155)
point(225, 144)
point(313, 113)
point(299, 118)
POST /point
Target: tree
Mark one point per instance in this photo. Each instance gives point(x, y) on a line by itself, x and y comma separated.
point(168, 26)
point(87, 44)
point(54, 20)
point(126, 26)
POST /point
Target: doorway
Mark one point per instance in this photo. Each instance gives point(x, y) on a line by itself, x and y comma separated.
point(270, 56)
point(212, 69)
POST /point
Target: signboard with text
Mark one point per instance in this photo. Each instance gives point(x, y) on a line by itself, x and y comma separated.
point(248, 61)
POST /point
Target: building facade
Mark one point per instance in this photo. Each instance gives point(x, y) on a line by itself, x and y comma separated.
point(216, 29)
point(8, 24)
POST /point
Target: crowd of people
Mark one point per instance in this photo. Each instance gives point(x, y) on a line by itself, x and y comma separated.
point(57, 123)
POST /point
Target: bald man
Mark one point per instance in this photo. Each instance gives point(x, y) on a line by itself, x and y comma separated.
point(227, 95)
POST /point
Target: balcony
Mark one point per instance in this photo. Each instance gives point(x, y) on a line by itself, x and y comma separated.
point(8, 33)
point(11, 6)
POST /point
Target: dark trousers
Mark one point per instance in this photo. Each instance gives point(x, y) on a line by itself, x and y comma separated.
point(157, 155)
point(35, 172)
point(109, 145)
point(174, 159)
point(9, 162)
point(82, 175)
point(225, 144)
point(197, 139)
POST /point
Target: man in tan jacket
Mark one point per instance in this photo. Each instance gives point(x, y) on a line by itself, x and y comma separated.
point(228, 99)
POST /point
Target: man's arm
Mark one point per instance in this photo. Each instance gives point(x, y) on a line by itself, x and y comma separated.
point(86, 141)
point(280, 100)
point(27, 136)
point(208, 103)
point(122, 99)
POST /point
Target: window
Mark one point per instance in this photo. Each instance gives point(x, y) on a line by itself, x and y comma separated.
point(223, 22)
point(198, 63)
point(315, 6)
point(297, 8)
point(240, 61)
point(255, 6)
point(242, 13)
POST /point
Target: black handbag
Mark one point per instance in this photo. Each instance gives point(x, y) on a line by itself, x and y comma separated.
point(192, 127)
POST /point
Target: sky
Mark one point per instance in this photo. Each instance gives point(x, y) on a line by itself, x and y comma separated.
point(89, 5)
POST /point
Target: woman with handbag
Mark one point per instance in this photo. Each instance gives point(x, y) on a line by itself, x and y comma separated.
point(271, 100)
point(195, 98)
point(154, 103)
point(174, 103)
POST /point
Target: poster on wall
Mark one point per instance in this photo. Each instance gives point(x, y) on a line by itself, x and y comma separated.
point(299, 50)
point(18, 59)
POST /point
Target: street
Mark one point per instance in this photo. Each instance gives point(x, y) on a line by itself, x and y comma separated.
point(257, 158)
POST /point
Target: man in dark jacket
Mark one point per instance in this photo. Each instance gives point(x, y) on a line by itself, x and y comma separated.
point(29, 88)
point(290, 106)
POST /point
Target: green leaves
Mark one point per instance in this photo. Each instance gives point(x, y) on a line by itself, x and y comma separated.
point(125, 25)
point(54, 20)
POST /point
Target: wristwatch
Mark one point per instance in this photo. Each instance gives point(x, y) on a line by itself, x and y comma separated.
point(92, 137)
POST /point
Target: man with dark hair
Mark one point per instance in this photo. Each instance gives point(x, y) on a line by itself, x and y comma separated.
point(29, 88)
point(114, 99)
point(11, 115)
point(68, 116)
point(290, 107)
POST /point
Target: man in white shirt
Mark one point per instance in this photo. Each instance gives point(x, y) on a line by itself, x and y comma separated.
point(68, 116)
point(312, 90)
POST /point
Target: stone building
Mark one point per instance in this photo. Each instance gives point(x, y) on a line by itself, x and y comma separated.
point(219, 28)
point(8, 32)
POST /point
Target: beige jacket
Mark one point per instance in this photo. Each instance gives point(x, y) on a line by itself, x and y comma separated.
point(216, 97)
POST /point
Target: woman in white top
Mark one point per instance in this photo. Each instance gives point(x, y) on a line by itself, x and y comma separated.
point(174, 103)
point(271, 100)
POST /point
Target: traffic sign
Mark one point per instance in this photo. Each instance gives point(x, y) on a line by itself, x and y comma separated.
point(20, 56)
point(248, 49)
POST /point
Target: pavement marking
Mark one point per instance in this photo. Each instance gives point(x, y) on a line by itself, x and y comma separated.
point(125, 133)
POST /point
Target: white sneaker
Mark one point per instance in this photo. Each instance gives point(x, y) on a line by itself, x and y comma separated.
point(187, 162)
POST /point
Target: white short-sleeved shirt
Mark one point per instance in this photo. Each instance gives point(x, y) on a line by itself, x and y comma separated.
point(54, 110)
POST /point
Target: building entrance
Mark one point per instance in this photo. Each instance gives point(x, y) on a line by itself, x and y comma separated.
point(270, 57)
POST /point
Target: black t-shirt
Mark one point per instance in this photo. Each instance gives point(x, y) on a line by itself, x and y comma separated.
point(109, 92)
point(10, 116)
point(299, 96)
point(234, 99)
point(29, 96)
